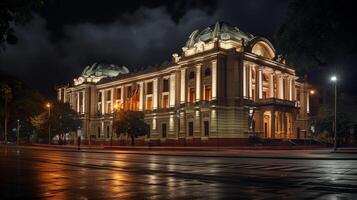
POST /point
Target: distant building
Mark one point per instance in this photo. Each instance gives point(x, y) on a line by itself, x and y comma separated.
point(226, 86)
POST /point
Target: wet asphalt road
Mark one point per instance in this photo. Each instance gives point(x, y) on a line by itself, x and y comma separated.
point(49, 174)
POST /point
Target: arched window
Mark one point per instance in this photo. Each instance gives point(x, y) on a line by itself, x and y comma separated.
point(208, 72)
point(191, 75)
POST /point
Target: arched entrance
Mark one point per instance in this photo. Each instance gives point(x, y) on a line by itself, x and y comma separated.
point(267, 124)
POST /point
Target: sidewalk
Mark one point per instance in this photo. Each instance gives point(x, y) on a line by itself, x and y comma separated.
point(222, 152)
point(181, 148)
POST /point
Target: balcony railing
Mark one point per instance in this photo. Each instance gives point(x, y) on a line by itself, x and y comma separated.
point(275, 101)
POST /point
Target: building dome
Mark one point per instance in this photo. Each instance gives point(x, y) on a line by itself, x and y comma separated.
point(102, 69)
point(99, 70)
point(221, 30)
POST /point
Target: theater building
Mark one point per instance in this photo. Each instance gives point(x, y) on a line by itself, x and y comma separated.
point(225, 86)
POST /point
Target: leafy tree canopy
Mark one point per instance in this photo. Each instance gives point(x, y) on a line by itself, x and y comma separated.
point(22, 103)
point(131, 123)
point(62, 119)
point(316, 32)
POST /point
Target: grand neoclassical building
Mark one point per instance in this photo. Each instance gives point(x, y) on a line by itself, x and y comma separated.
point(225, 86)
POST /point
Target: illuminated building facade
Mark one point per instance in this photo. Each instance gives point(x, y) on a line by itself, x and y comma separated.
point(226, 86)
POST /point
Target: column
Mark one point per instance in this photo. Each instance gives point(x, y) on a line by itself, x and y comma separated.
point(290, 89)
point(280, 87)
point(198, 82)
point(197, 123)
point(244, 81)
point(214, 80)
point(293, 90)
point(183, 86)
point(307, 100)
point(83, 101)
point(112, 99)
point(182, 122)
point(172, 89)
point(78, 108)
point(260, 83)
point(155, 94)
point(141, 95)
point(103, 103)
point(250, 84)
point(272, 124)
point(271, 85)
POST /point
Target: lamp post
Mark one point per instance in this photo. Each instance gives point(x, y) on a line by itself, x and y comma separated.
point(18, 132)
point(48, 106)
point(334, 80)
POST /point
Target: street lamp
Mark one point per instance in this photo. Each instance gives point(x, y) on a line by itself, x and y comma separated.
point(333, 79)
point(48, 106)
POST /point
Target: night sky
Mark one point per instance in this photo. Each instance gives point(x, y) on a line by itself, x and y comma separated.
point(68, 35)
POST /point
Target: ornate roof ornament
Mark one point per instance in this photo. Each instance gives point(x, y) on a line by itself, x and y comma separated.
point(99, 70)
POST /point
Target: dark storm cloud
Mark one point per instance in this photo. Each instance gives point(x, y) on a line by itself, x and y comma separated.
point(144, 37)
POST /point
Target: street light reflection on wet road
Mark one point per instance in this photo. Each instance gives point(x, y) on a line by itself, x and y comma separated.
point(28, 174)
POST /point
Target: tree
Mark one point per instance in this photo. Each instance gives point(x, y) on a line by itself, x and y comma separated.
point(20, 103)
point(346, 118)
point(14, 12)
point(63, 119)
point(131, 123)
point(317, 32)
point(6, 95)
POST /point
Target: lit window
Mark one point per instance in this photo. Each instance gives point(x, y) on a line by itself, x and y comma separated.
point(165, 101)
point(149, 103)
point(208, 93)
point(192, 95)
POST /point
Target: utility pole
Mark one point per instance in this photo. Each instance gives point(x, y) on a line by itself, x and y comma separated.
point(5, 121)
point(48, 105)
point(334, 80)
point(335, 127)
point(18, 132)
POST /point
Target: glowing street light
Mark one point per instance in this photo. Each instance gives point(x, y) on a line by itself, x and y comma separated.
point(312, 92)
point(333, 79)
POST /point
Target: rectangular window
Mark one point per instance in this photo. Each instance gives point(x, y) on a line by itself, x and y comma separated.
point(98, 132)
point(149, 88)
point(148, 103)
point(165, 101)
point(108, 131)
point(298, 95)
point(165, 85)
point(192, 95)
point(163, 129)
point(118, 93)
point(206, 127)
point(190, 128)
point(208, 93)
point(109, 95)
point(81, 106)
point(264, 95)
point(128, 92)
point(99, 97)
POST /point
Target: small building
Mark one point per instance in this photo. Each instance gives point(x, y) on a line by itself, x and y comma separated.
point(225, 86)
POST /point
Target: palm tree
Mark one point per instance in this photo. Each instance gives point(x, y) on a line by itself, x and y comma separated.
point(6, 94)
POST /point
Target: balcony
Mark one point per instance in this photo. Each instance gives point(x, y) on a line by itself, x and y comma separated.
point(276, 102)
